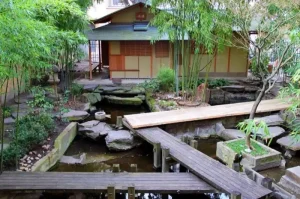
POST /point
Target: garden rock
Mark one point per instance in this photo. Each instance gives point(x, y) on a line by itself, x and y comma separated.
point(272, 120)
point(86, 106)
point(233, 88)
point(121, 140)
point(217, 96)
point(238, 97)
point(94, 129)
point(289, 143)
point(291, 180)
point(74, 115)
point(90, 87)
point(231, 134)
point(92, 98)
point(274, 132)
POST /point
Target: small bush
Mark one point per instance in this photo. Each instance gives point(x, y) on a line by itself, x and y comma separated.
point(7, 112)
point(39, 98)
point(76, 89)
point(33, 129)
point(167, 104)
point(166, 79)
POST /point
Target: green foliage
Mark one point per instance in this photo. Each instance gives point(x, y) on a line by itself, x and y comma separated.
point(150, 85)
point(39, 98)
point(7, 112)
point(33, 129)
point(166, 79)
point(76, 89)
point(167, 104)
point(239, 147)
point(212, 83)
point(252, 127)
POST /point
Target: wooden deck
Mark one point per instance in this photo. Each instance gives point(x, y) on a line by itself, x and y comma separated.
point(97, 182)
point(84, 66)
point(201, 113)
point(208, 169)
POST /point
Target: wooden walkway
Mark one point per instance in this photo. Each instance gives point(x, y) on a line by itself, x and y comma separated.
point(208, 169)
point(97, 182)
point(201, 113)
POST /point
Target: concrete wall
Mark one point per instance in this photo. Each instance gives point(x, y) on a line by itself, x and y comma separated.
point(61, 144)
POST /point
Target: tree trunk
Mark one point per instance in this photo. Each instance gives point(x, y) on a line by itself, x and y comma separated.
point(253, 111)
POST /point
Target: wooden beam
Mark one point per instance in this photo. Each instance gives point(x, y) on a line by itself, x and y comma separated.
point(194, 144)
point(133, 168)
point(90, 60)
point(116, 168)
point(99, 44)
point(236, 195)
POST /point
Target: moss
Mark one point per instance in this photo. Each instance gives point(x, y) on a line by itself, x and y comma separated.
point(135, 101)
point(239, 146)
point(150, 102)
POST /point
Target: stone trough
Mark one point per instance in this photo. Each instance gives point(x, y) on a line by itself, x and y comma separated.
point(270, 160)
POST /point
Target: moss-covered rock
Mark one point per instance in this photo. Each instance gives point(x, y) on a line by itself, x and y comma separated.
point(134, 101)
point(92, 98)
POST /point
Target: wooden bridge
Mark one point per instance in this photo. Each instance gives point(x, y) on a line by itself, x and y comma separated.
point(201, 113)
point(206, 168)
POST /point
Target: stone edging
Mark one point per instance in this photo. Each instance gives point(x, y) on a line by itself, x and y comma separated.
point(61, 144)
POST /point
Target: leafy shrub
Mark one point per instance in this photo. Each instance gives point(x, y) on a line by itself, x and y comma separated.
point(33, 129)
point(167, 104)
point(166, 79)
point(214, 83)
point(76, 89)
point(150, 85)
point(39, 98)
point(7, 112)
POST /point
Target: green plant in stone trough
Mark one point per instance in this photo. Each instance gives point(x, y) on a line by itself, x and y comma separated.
point(252, 127)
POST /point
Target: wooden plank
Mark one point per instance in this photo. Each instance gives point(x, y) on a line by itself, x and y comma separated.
point(201, 113)
point(91, 182)
point(208, 169)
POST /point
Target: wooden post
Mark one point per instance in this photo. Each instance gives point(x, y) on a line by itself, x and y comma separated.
point(116, 168)
point(90, 60)
point(133, 167)
point(156, 155)
point(99, 44)
point(194, 144)
point(119, 123)
point(111, 192)
point(185, 139)
point(236, 195)
point(267, 183)
point(165, 159)
point(131, 192)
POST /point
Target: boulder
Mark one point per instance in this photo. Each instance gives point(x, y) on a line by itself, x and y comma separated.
point(233, 88)
point(217, 96)
point(231, 134)
point(275, 131)
point(94, 129)
point(238, 97)
point(272, 120)
point(92, 98)
point(86, 106)
point(74, 115)
point(121, 140)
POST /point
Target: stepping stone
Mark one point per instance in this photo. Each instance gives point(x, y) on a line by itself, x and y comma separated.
point(121, 140)
point(90, 87)
point(291, 180)
point(275, 131)
point(74, 115)
point(94, 129)
point(9, 120)
point(90, 124)
point(231, 134)
point(289, 143)
point(272, 120)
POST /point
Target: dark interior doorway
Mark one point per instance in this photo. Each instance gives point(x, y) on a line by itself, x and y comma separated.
point(105, 53)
